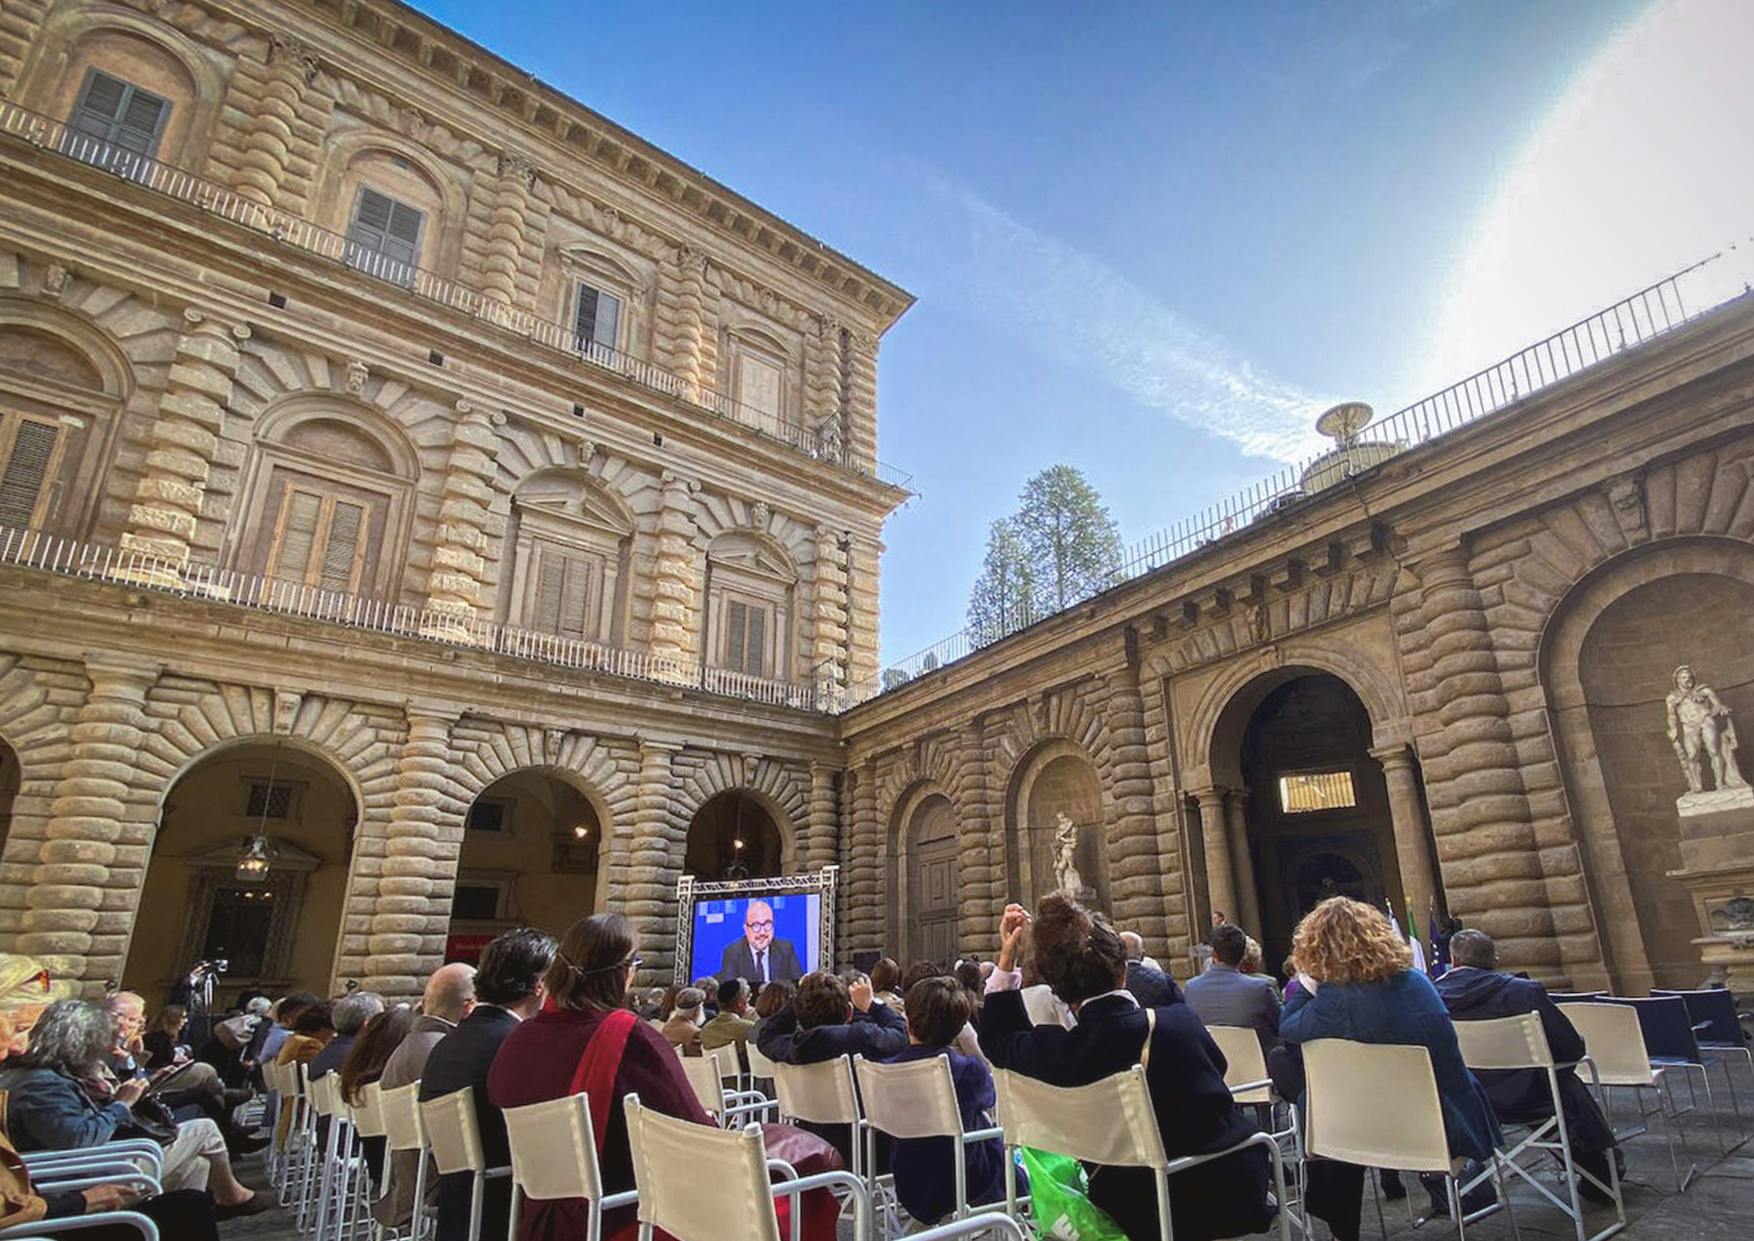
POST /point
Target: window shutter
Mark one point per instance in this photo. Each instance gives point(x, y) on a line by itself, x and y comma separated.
point(755, 651)
point(341, 550)
point(297, 537)
point(585, 322)
point(373, 215)
point(99, 105)
point(573, 597)
point(550, 587)
point(608, 319)
point(27, 472)
point(402, 239)
point(736, 634)
point(137, 127)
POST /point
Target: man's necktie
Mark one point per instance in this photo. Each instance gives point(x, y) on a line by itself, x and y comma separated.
point(761, 964)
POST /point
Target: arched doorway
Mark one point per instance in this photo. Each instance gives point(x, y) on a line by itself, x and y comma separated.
point(923, 871)
point(531, 844)
point(734, 836)
point(1312, 802)
point(1057, 790)
point(9, 781)
point(278, 929)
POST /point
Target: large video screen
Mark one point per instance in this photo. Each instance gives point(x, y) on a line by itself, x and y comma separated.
point(761, 938)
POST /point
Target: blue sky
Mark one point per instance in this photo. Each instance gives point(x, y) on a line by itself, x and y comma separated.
point(1155, 240)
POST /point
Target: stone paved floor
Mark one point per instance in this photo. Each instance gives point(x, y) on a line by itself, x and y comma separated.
point(1717, 1206)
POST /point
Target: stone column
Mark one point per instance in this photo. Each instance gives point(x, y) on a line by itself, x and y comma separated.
point(864, 905)
point(1412, 842)
point(653, 861)
point(454, 584)
point(412, 911)
point(77, 877)
point(1247, 914)
point(1493, 876)
point(979, 842)
point(268, 137)
point(183, 445)
point(504, 251)
point(824, 844)
point(1135, 869)
point(1220, 876)
point(863, 560)
point(829, 664)
point(675, 621)
point(861, 400)
point(691, 295)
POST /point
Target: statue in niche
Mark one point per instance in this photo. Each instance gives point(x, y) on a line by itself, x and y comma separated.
point(1699, 721)
point(1066, 875)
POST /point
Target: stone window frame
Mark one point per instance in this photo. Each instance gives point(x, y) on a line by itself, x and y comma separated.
point(502, 881)
point(335, 194)
point(590, 264)
point(751, 569)
point(602, 530)
point(1351, 787)
point(295, 789)
point(746, 342)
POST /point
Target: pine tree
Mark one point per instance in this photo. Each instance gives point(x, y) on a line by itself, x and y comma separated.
point(1003, 598)
point(1068, 537)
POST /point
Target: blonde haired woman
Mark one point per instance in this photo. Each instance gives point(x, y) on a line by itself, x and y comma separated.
point(1358, 983)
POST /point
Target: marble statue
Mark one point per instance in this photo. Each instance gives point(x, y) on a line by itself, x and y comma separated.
point(1066, 873)
point(1699, 721)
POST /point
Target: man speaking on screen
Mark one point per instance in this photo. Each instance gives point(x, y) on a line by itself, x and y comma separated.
point(758, 956)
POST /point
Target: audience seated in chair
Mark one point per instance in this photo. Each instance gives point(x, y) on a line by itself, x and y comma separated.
point(551, 1055)
point(827, 1019)
point(682, 1031)
point(189, 1089)
point(448, 999)
point(886, 984)
point(1357, 981)
point(508, 990)
point(937, 1009)
point(1225, 996)
point(732, 1025)
point(364, 1064)
point(60, 1097)
point(1475, 989)
point(349, 1015)
point(1081, 957)
point(772, 998)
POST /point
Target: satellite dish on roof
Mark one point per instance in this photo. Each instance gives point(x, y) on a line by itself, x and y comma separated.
point(1343, 422)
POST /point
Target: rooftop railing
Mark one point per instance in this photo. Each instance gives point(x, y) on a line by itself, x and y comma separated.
point(47, 134)
point(1647, 314)
point(70, 558)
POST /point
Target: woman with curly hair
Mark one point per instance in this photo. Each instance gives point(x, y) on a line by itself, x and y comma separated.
point(1357, 981)
point(1081, 957)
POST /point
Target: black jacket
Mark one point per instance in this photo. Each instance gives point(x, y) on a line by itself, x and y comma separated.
point(460, 1061)
point(1522, 1094)
point(1153, 988)
point(875, 1035)
point(782, 962)
point(1195, 1114)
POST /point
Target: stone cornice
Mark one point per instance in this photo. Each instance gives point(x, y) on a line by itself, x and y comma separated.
point(417, 44)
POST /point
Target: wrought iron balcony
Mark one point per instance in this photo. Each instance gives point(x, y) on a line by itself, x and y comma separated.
point(49, 135)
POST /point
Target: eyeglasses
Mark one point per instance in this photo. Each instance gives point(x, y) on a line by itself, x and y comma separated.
point(757, 926)
point(634, 962)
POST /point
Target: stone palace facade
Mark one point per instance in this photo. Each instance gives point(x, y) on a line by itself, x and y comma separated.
point(412, 480)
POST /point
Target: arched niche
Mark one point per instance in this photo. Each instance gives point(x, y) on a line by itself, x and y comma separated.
point(751, 601)
point(1057, 777)
point(327, 491)
point(1607, 659)
point(532, 854)
point(571, 543)
point(735, 834)
point(131, 47)
point(280, 932)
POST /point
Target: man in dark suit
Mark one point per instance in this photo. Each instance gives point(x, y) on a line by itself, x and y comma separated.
point(758, 956)
point(1475, 990)
point(1225, 996)
point(508, 989)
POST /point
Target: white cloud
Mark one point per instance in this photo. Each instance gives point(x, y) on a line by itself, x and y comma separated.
point(1085, 314)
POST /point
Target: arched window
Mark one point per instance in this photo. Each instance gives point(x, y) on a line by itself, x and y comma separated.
point(127, 99)
point(394, 212)
point(751, 585)
point(569, 557)
point(328, 490)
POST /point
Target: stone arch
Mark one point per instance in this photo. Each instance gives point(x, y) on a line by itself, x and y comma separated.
point(35, 728)
point(1045, 776)
point(44, 83)
point(905, 822)
point(1643, 916)
point(343, 153)
point(767, 781)
point(112, 369)
point(283, 421)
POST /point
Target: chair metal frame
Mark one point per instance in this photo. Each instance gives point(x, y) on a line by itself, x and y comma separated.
point(1485, 1045)
point(73, 1224)
point(1025, 1124)
point(706, 1074)
point(458, 1109)
point(402, 1120)
point(1656, 1081)
point(1245, 1072)
point(872, 1099)
point(1693, 1059)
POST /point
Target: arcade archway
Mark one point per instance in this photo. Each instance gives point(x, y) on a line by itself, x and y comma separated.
point(734, 835)
point(277, 925)
point(924, 880)
point(9, 782)
point(532, 843)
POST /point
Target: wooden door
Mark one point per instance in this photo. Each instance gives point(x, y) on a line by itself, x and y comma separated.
point(936, 901)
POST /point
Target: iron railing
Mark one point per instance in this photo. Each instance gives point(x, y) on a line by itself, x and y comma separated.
point(34, 549)
point(1645, 315)
point(47, 134)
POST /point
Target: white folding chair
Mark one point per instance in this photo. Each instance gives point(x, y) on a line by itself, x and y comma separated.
point(917, 1099)
point(706, 1073)
point(1110, 1122)
point(308, 1151)
point(760, 1066)
point(341, 1160)
point(554, 1156)
point(1520, 1043)
point(455, 1138)
point(404, 1131)
point(823, 1094)
point(1347, 1120)
point(1614, 1040)
point(368, 1122)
